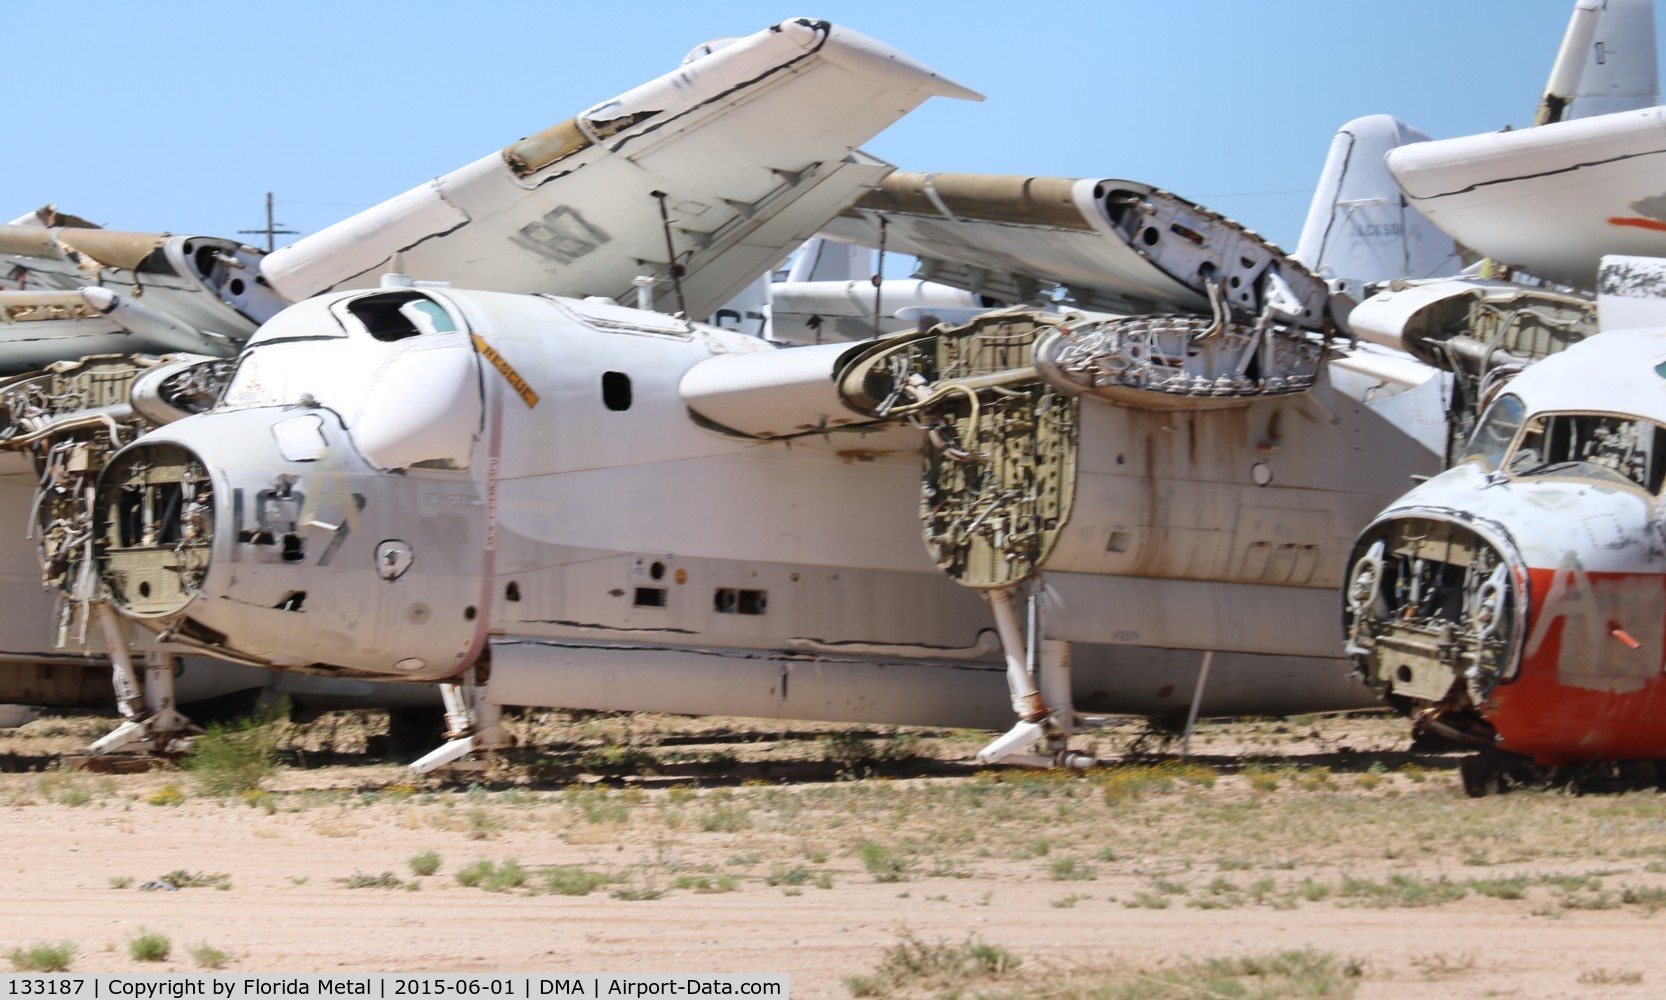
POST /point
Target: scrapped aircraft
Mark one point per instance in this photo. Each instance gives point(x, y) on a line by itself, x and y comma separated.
point(1515, 603)
point(539, 500)
point(649, 182)
point(547, 499)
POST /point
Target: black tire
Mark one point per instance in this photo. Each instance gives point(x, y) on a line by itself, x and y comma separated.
point(1480, 776)
point(413, 732)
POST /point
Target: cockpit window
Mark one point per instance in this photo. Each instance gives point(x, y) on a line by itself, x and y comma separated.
point(1491, 440)
point(397, 315)
point(1593, 445)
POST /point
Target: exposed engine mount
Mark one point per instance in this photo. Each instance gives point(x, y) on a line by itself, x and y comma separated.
point(1433, 614)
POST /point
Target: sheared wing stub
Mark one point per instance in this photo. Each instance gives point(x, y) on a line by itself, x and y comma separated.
point(1112, 245)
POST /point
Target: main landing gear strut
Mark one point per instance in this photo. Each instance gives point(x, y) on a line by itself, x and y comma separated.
point(1038, 676)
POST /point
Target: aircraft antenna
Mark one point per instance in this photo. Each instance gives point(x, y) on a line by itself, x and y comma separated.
point(272, 231)
point(671, 255)
point(878, 278)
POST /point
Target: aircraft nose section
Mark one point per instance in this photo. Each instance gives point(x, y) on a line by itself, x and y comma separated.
point(1433, 609)
point(153, 524)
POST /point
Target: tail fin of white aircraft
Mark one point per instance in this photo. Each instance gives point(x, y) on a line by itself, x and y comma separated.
point(1360, 228)
point(748, 312)
point(822, 259)
point(1607, 62)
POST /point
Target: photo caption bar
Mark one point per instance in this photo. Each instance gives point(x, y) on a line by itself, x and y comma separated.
point(388, 986)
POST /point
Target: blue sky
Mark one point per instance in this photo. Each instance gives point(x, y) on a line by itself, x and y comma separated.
point(180, 116)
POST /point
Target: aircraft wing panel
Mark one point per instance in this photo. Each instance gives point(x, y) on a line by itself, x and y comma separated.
point(176, 293)
point(39, 326)
point(1115, 246)
point(745, 151)
point(1010, 238)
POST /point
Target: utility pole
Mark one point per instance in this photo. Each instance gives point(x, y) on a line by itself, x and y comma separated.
point(272, 231)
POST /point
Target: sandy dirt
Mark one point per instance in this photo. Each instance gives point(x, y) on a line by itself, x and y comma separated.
point(78, 847)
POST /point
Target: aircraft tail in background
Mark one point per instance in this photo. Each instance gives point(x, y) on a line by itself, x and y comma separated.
point(1606, 63)
point(1360, 230)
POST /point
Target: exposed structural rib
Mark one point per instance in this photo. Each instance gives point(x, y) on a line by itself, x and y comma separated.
point(1110, 245)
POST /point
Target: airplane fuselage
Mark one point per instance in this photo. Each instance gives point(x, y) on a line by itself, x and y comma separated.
point(397, 481)
point(1519, 599)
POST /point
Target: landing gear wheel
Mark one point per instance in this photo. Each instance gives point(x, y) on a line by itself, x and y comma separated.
point(1481, 776)
point(411, 731)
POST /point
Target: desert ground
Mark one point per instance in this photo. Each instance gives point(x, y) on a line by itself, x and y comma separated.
point(1311, 857)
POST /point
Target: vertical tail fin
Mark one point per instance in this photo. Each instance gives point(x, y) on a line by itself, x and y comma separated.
point(1606, 63)
point(829, 260)
point(1359, 228)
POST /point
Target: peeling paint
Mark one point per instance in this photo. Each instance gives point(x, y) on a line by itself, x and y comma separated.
point(552, 145)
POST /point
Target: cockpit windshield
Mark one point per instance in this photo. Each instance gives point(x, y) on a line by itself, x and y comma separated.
point(1491, 440)
point(1622, 449)
point(285, 370)
point(404, 380)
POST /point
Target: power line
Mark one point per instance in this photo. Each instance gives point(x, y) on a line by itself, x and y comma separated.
point(272, 231)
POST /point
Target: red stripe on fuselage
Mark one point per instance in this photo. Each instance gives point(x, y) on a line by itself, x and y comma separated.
point(1636, 223)
point(1582, 693)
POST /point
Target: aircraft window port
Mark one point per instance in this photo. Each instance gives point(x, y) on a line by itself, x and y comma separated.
point(657, 571)
point(469, 613)
point(512, 592)
point(397, 315)
point(616, 390)
point(730, 601)
point(649, 597)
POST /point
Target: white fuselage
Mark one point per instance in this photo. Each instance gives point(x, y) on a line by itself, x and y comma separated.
point(550, 496)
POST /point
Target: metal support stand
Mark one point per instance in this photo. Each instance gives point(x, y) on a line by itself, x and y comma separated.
point(1197, 699)
point(472, 724)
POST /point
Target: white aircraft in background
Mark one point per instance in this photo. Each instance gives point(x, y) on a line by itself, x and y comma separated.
point(1545, 202)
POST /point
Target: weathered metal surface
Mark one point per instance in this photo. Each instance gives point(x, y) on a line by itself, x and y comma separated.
point(1000, 473)
point(753, 146)
point(104, 247)
point(541, 149)
point(1480, 330)
point(1020, 201)
point(1117, 246)
point(1520, 597)
point(70, 419)
point(1180, 361)
point(38, 307)
point(154, 528)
